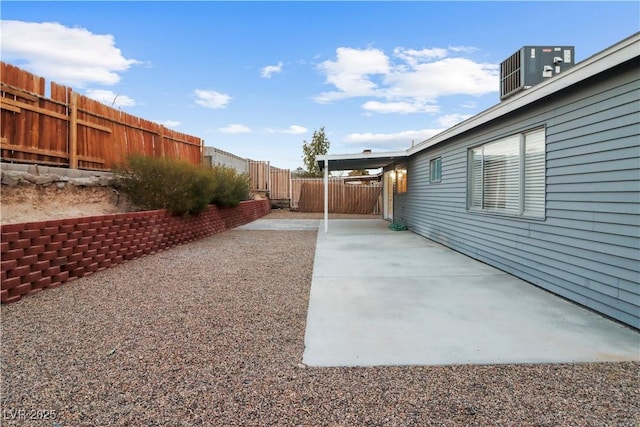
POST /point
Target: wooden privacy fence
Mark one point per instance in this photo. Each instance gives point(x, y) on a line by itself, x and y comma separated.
point(266, 178)
point(72, 130)
point(308, 196)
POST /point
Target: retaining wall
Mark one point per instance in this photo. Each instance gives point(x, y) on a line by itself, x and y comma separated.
point(46, 254)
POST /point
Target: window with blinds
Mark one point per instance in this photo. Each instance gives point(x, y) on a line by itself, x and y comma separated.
point(508, 176)
point(435, 170)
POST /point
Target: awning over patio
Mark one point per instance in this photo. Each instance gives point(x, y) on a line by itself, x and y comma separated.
point(365, 160)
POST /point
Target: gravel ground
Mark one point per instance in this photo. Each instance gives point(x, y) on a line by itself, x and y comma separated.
point(211, 333)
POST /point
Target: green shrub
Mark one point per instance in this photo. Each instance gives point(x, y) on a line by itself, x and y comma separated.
point(230, 187)
point(160, 183)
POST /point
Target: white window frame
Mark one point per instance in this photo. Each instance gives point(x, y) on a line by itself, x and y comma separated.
point(435, 165)
point(507, 176)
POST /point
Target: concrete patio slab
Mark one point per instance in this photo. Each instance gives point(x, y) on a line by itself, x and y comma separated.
point(383, 297)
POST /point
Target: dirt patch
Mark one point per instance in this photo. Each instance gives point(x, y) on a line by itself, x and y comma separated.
point(27, 203)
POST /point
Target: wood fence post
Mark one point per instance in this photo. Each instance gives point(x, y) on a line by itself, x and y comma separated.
point(161, 141)
point(73, 131)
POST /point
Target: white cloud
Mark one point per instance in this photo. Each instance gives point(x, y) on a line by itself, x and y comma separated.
point(270, 70)
point(401, 107)
point(291, 130)
point(465, 49)
point(235, 128)
point(110, 98)
point(408, 81)
point(399, 140)
point(66, 55)
point(171, 123)
point(449, 76)
point(450, 120)
point(350, 73)
point(211, 98)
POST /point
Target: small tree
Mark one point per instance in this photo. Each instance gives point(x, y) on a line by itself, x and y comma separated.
point(318, 146)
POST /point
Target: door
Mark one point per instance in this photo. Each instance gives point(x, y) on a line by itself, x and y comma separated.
point(389, 181)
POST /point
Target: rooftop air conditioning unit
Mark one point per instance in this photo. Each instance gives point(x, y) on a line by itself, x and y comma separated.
point(532, 65)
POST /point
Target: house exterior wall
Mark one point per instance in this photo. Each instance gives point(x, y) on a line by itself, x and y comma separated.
point(214, 156)
point(587, 248)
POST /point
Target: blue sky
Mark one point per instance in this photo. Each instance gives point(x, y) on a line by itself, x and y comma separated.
point(257, 78)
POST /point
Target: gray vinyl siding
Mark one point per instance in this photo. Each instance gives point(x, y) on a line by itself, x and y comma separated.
point(587, 248)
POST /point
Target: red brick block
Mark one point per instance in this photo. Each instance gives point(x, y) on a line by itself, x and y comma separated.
point(28, 260)
point(98, 238)
point(4, 246)
point(53, 246)
point(20, 244)
point(60, 237)
point(42, 283)
point(21, 290)
point(47, 256)
point(19, 271)
point(51, 271)
point(49, 231)
point(85, 241)
point(66, 251)
point(71, 221)
point(75, 234)
point(42, 240)
point(82, 226)
point(13, 254)
point(41, 265)
point(70, 243)
point(75, 257)
point(8, 265)
point(54, 285)
point(76, 272)
point(95, 246)
point(90, 253)
point(11, 282)
point(82, 248)
point(6, 299)
point(61, 277)
point(117, 259)
point(104, 264)
point(11, 228)
point(67, 228)
point(91, 268)
point(59, 261)
point(34, 250)
point(32, 277)
point(100, 257)
point(30, 234)
point(54, 223)
point(84, 262)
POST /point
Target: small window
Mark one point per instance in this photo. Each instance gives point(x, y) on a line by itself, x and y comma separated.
point(401, 180)
point(435, 170)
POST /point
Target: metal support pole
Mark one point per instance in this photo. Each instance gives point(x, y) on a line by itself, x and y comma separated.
point(326, 195)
